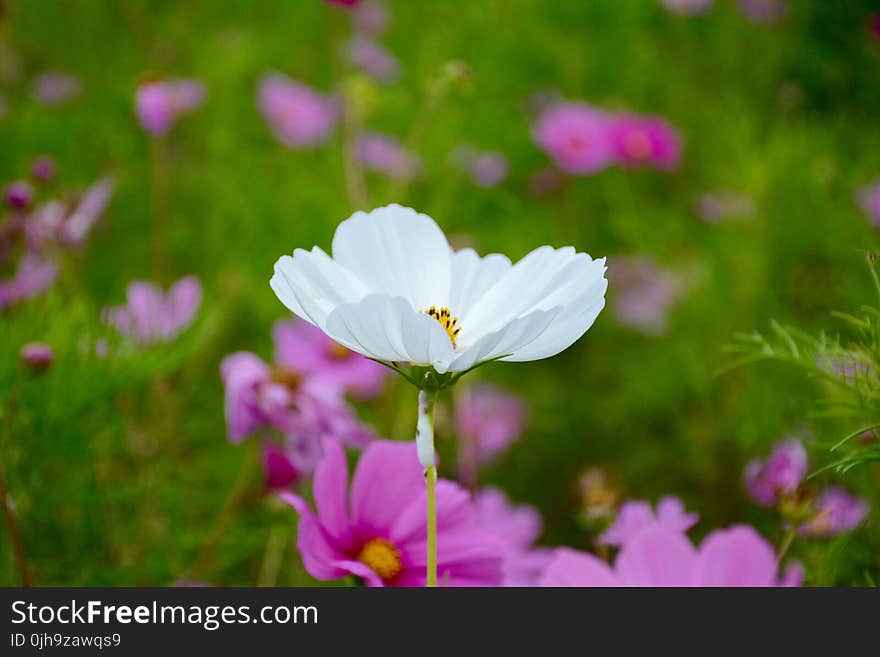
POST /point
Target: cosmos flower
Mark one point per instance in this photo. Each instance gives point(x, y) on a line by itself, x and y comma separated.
point(486, 168)
point(687, 7)
point(34, 276)
point(768, 481)
point(306, 349)
point(395, 291)
point(640, 141)
point(18, 194)
point(371, 18)
point(298, 116)
point(43, 168)
point(490, 418)
point(516, 528)
point(160, 104)
point(868, 199)
point(37, 356)
point(634, 515)
point(575, 136)
point(151, 316)
point(55, 88)
point(658, 556)
point(373, 59)
point(644, 293)
point(375, 529)
point(835, 512)
point(385, 154)
point(279, 470)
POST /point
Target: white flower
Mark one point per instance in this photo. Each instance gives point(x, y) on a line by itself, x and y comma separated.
point(395, 291)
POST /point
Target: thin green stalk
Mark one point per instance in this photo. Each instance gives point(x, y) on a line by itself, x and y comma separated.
point(425, 448)
point(786, 543)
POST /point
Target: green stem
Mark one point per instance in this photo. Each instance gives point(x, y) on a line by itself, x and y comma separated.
point(425, 447)
point(786, 543)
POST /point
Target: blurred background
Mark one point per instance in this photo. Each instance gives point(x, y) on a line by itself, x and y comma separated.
point(115, 450)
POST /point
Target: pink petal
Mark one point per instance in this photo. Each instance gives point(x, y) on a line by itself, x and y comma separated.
point(319, 552)
point(572, 568)
point(453, 510)
point(738, 556)
point(330, 488)
point(387, 478)
point(656, 556)
point(361, 570)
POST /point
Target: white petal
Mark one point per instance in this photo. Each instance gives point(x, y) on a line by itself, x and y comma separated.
point(311, 285)
point(397, 252)
point(509, 339)
point(472, 276)
point(389, 329)
point(581, 300)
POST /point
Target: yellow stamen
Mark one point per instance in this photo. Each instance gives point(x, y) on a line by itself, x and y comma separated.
point(447, 321)
point(382, 558)
point(337, 352)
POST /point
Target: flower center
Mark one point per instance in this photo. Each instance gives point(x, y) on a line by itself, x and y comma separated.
point(382, 558)
point(337, 352)
point(447, 321)
point(288, 378)
point(637, 145)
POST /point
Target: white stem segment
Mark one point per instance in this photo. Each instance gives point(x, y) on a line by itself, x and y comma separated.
point(425, 429)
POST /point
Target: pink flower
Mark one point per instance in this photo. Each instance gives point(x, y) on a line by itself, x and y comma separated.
point(160, 104)
point(385, 154)
point(486, 168)
point(151, 316)
point(836, 512)
point(344, 3)
point(687, 7)
point(658, 556)
point(371, 18)
point(868, 199)
point(87, 211)
point(298, 116)
point(37, 356)
point(767, 482)
point(575, 136)
point(376, 530)
point(303, 348)
point(278, 467)
point(373, 59)
point(55, 88)
point(18, 194)
point(763, 11)
point(304, 410)
point(43, 168)
point(638, 141)
point(490, 418)
point(516, 528)
point(634, 516)
point(34, 276)
point(644, 293)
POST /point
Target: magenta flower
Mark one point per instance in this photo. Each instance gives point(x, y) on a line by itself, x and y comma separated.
point(371, 18)
point(37, 356)
point(768, 481)
point(575, 136)
point(344, 3)
point(634, 515)
point(868, 199)
point(490, 419)
point(644, 293)
point(836, 512)
point(151, 316)
point(516, 528)
point(160, 104)
point(377, 531)
point(278, 467)
point(43, 168)
point(660, 557)
point(303, 348)
point(34, 276)
point(373, 59)
point(639, 141)
point(305, 410)
point(298, 116)
point(385, 154)
point(18, 194)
